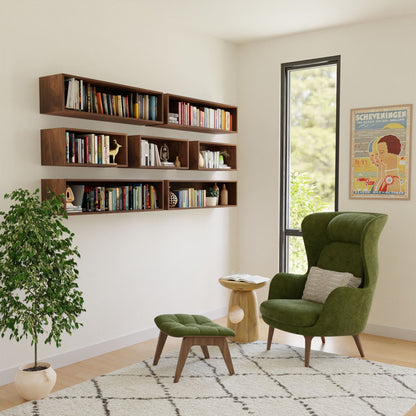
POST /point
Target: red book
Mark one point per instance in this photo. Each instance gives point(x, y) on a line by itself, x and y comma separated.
point(99, 103)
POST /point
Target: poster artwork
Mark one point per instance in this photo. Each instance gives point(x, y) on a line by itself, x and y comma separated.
point(380, 152)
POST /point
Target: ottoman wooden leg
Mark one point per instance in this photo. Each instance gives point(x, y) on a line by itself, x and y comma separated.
point(183, 355)
point(160, 344)
point(223, 345)
point(204, 349)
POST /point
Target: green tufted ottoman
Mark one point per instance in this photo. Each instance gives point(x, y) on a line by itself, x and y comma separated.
point(195, 330)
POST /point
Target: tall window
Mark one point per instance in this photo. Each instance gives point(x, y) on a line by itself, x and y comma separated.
point(309, 150)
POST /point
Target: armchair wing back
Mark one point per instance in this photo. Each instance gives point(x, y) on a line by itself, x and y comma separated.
point(336, 241)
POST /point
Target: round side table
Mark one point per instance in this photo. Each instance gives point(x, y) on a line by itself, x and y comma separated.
point(243, 311)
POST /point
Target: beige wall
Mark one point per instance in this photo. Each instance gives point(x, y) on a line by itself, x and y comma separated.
point(133, 266)
point(378, 63)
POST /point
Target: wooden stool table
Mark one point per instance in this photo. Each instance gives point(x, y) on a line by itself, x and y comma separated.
point(243, 311)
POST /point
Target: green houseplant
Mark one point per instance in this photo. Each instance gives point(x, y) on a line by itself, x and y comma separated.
point(39, 296)
point(212, 196)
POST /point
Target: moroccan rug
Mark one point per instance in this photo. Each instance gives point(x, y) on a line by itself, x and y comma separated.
point(266, 383)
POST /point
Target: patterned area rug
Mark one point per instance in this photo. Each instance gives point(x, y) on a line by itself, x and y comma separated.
point(266, 383)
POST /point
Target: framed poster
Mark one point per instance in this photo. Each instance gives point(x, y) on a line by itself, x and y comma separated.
point(380, 152)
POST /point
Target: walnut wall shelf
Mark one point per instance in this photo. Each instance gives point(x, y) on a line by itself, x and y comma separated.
point(76, 147)
point(105, 196)
point(99, 100)
point(192, 114)
point(79, 97)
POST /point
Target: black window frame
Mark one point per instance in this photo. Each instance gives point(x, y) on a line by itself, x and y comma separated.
point(285, 231)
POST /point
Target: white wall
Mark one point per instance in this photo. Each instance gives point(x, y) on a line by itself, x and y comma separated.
point(377, 68)
point(133, 266)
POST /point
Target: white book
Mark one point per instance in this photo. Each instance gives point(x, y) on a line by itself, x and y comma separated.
point(248, 278)
point(157, 156)
point(106, 149)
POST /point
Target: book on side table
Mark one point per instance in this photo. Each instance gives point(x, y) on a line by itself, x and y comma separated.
point(248, 278)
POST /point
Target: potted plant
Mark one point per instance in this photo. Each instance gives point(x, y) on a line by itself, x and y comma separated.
point(212, 196)
point(39, 296)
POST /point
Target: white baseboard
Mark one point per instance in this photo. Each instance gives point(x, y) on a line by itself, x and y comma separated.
point(60, 360)
point(391, 332)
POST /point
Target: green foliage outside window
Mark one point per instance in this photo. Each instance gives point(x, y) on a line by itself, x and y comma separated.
point(312, 151)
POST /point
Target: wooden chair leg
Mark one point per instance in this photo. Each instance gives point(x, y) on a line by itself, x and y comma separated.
point(308, 341)
point(358, 344)
point(223, 345)
point(183, 355)
point(270, 337)
point(204, 349)
point(160, 344)
point(323, 340)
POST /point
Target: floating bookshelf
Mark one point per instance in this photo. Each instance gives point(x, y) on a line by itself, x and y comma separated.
point(195, 191)
point(185, 113)
point(145, 152)
point(108, 196)
point(74, 96)
point(75, 147)
point(212, 156)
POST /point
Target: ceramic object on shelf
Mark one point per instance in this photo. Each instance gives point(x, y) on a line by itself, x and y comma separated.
point(215, 188)
point(224, 195)
point(177, 162)
point(211, 201)
point(201, 161)
point(173, 200)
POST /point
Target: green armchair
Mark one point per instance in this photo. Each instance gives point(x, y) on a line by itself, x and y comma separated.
point(336, 241)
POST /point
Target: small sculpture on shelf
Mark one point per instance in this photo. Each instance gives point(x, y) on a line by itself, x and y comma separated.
point(113, 152)
point(164, 153)
point(69, 197)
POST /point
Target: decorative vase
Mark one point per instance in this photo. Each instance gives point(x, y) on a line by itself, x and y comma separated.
point(224, 195)
point(201, 161)
point(177, 162)
point(35, 385)
point(211, 201)
point(173, 200)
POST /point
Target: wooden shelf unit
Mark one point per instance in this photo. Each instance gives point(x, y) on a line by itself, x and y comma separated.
point(59, 186)
point(53, 95)
point(53, 147)
point(171, 105)
point(195, 147)
point(172, 185)
point(177, 147)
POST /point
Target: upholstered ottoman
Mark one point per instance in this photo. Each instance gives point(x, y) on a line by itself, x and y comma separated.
point(195, 330)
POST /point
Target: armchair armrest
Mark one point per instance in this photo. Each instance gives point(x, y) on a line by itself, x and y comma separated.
point(287, 286)
point(346, 311)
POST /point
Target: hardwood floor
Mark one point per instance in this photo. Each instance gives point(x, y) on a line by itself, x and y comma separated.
point(386, 350)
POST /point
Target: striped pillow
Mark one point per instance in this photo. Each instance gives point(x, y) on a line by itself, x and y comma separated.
point(320, 283)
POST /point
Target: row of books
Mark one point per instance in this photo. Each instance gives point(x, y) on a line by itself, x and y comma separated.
point(213, 160)
point(87, 148)
point(191, 115)
point(190, 197)
point(87, 97)
point(149, 154)
point(113, 198)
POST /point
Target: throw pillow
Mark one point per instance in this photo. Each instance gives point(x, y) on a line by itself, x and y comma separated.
point(320, 283)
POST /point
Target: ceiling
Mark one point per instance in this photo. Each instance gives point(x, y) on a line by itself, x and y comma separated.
point(242, 21)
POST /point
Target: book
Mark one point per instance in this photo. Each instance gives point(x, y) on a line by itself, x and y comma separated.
point(247, 278)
